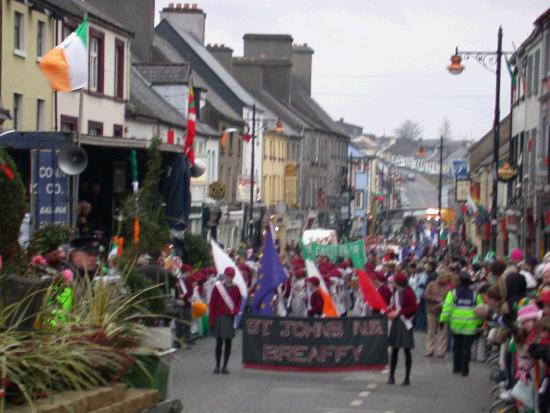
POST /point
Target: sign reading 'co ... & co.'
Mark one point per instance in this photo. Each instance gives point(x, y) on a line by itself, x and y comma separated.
point(311, 344)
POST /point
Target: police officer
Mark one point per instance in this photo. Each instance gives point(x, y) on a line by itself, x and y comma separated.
point(459, 312)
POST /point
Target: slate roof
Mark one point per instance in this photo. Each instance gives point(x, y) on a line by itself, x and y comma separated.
point(78, 8)
point(209, 60)
point(164, 52)
point(293, 124)
point(165, 73)
point(311, 110)
point(145, 101)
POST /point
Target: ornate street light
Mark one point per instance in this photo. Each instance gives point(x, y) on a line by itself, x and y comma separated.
point(456, 67)
point(487, 59)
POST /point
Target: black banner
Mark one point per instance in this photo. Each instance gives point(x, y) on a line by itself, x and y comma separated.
point(315, 343)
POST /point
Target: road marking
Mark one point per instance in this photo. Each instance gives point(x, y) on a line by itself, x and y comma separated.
point(389, 411)
point(356, 403)
point(371, 386)
point(364, 394)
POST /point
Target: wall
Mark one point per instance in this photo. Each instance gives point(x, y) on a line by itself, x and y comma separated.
point(22, 75)
point(176, 95)
point(273, 168)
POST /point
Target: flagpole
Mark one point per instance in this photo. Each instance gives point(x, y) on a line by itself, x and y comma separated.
point(251, 212)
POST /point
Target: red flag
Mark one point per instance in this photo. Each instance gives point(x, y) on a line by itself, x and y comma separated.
point(371, 296)
point(191, 126)
point(7, 171)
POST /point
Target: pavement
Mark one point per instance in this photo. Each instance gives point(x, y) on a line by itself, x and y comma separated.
point(421, 193)
point(433, 387)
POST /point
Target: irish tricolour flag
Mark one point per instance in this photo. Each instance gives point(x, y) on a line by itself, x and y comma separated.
point(66, 65)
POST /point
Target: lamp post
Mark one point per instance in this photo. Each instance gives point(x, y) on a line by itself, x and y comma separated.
point(251, 212)
point(487, 59)
point(440, 185)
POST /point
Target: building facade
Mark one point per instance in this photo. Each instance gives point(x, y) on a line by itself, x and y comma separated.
point(27, 35)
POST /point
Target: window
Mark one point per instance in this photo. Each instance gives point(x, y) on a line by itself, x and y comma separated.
point(68, 123)
point(96, 62)
point(40, 114)
point(19, 32)
point(231, 143)
point(536, 72)
point(95, 128)
point(17, 111)
point(529, 75)
point(359, 199)
point(67, 30)
point(40, 38)
point(239, 147)
point(119, 69)
point(118, 131)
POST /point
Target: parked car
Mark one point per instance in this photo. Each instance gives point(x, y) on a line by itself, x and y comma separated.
point(411, 177)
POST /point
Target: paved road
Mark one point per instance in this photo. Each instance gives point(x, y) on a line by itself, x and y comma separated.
point(434, 388)
point(421, 193)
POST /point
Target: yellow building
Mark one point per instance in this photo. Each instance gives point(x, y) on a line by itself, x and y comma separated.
point(273, 168)
point(27, 34)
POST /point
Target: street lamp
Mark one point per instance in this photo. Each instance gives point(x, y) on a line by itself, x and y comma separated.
point(487, 59)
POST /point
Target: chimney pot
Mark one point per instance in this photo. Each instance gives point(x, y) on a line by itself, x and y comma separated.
point(178, 5)
point(305, 44)
point(194, 6)
point(170, 6)
point(186, 6)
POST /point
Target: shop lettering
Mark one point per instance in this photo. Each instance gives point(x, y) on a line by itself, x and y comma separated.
point(53, 211)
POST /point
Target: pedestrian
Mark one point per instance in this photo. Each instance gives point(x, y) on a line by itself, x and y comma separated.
point(225, 303)
point(459, 312)
point(315, 304)
point(435, 294)
point(402, 310)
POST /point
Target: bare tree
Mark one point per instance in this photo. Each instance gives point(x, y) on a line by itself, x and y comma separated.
point(409, 130)
point(445, 129)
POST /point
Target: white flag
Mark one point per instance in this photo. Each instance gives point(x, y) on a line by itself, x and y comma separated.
point(222, 261)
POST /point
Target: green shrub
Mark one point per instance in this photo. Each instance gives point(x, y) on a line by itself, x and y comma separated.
point(197, 251)
point(12, 208)
point(49, 237)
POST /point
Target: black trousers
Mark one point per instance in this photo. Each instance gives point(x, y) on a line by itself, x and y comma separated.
point(462, 348)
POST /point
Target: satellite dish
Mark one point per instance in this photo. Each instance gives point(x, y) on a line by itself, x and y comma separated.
point(72, 160)
point(198, 169)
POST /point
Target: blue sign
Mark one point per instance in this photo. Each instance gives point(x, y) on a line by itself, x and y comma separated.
point(460, 169)
point(50, 188)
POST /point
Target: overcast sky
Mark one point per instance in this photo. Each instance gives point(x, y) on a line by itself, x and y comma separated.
point(379, 62)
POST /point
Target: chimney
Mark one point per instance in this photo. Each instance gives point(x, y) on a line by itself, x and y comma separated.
point(268, 46)
point(223, 54)
point(248, 72)
point(302, 56)
point(185, 18)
